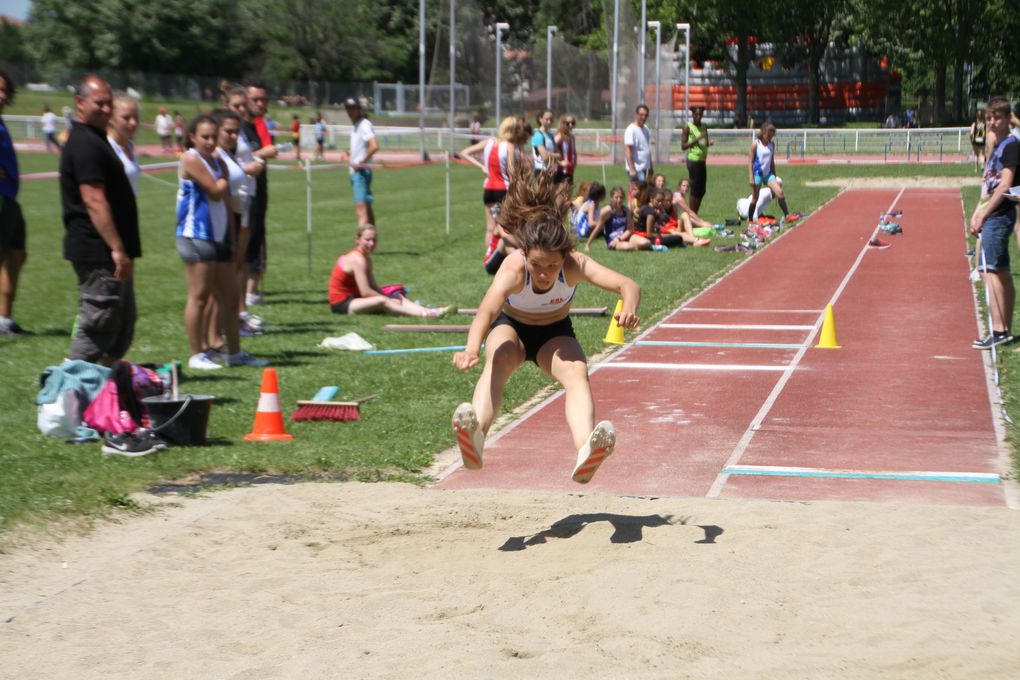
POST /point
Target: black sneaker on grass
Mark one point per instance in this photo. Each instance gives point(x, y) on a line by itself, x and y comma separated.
point(130, 445)
point(995, 339)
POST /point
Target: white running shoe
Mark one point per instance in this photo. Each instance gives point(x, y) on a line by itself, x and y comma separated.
point(442, 311)
point(470, 437)
point(203, 362)
point(599, 446)
point(242, 358)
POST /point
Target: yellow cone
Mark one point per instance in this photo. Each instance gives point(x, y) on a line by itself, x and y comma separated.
point(828, 337)
point(615, 334)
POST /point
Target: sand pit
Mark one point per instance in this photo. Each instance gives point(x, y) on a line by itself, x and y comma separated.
point(395, 581)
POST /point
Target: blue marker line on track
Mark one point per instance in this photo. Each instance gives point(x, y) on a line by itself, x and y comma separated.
point(759, 345)
point(978, 477)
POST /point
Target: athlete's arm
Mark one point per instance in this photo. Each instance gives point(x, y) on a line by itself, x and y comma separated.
point(508, 280)
point(612, 281)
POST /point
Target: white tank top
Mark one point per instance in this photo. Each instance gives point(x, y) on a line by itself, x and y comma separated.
point(552, 300)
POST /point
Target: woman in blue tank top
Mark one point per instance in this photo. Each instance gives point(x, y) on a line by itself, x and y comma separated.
point(525, 316)
point(616, 225)
point(205, 242)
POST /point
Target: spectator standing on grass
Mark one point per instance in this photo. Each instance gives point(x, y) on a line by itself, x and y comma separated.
point(637, 143)
point(363, 146)
point(258, 132)
point(320, 137)
point(164, 125)
point(121, 132)
point(205, 242)
point(178, 132)
point(476, 128)
point(49, 129)
point(761, 172)
point(12, 222)
point(295, 135)
point(101, 237)
point(978, 139)
point(993, 222)
point(567, 149)
point(543, 143)
point(236, 98)
point(694, 140)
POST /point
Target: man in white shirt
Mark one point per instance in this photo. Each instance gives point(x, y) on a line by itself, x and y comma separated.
point(49, 128)
point(637, 142)
point(164, 127)
point(363, 147)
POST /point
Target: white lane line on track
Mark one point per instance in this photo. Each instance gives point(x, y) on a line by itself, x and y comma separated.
point(738, 326)
point(691, 367)
point(751, 310)
point(914, 476)
point(766, 407)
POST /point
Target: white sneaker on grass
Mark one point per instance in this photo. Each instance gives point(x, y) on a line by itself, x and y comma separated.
point(242, 358)
point(470, 437)
point(203, 361)
point(599, 446)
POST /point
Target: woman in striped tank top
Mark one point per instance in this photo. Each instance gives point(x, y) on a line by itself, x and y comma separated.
point(525, 316)
point(497, 157)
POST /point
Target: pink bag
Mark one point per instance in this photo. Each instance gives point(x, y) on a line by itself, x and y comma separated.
point(394, 290)
point(104, 413)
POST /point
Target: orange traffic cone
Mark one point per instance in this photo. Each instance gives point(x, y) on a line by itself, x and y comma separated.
point(268, 418)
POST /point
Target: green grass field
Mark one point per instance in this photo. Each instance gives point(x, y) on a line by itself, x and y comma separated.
point(45, 479)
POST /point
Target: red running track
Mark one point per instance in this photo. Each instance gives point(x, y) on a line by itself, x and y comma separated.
point(902, 412)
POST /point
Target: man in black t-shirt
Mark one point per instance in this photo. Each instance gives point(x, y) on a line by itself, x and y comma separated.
point(993, 220)
point(101, 237)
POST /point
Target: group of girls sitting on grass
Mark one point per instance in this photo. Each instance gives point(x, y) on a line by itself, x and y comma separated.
point(654, 215)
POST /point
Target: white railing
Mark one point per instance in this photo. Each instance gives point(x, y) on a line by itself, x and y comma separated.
point(898, 144)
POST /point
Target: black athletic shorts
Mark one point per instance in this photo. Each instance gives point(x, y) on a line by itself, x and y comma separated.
point(342, 307)
point(493, 196)
point(534, 337)
point(697, 171)
point(12, 225)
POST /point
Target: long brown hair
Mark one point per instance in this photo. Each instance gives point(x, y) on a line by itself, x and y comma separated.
point(535, 211)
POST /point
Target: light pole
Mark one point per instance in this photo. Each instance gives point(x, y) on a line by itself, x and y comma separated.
point(421, 77)
point(500, 27)
point(658, 104)
point(686, 28)
point(641, 52)
point(615, 74)
point(549, 32)
point(453, 72)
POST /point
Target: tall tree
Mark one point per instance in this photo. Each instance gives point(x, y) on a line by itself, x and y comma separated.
point(813, 25)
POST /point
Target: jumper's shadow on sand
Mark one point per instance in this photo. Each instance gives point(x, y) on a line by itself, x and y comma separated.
point(626, 529)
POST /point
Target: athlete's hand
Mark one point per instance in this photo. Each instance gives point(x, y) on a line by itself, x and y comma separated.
point(465, 360)
point(627, 319)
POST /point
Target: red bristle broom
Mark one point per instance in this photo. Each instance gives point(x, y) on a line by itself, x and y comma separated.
point(321, 408)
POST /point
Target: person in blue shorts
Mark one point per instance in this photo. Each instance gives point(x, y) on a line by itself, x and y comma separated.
point(761, 171)
point(992, 222)
point(363, 146)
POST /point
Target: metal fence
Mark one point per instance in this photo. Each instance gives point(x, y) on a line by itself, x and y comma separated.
point(872, 145)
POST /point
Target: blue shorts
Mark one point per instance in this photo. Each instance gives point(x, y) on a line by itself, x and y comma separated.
point(361, 181)
point(762, 181)
point(995, 233)
point(639, 176)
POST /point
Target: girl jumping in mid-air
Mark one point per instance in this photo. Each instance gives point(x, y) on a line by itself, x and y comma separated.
point(761, 171)
point(525, 316)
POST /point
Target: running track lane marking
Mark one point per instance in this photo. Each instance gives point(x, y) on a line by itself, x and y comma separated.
point(691, 367)
point(780, 471)
point(687, 343)
point(738, 326)
point(755, 311)
point(759, 418)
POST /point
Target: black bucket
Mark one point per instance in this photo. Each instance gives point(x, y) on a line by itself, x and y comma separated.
point(183, 421)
